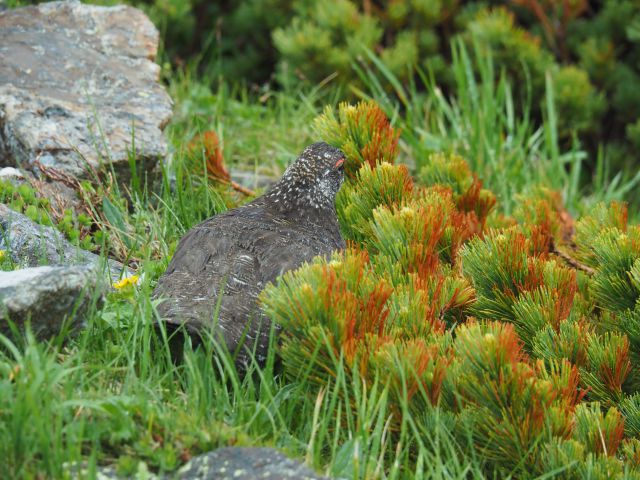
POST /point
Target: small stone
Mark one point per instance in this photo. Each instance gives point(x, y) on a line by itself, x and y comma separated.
point(245, 463)
point(10, 173)
point(80, 471)
point(252, 179)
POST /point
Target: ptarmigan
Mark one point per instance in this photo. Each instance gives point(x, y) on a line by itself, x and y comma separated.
point(221, 265)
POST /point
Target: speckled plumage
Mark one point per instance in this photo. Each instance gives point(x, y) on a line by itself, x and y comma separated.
point(223, 263)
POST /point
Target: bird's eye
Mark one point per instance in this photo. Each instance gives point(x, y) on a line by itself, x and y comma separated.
point(339, 164)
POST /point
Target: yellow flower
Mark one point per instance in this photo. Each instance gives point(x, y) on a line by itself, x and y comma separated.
point(2, 254)
point(126, 281)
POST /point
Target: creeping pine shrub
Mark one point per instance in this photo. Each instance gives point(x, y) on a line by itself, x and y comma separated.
point(511, 406)
point(523, 332)
point(515, 285)
point(386, 185)
point(362, 132)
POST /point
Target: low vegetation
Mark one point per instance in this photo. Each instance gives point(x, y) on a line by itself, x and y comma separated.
point(484, 321)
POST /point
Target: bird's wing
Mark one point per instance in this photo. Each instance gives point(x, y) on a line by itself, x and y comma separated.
point(209, 261)
point(279, 255)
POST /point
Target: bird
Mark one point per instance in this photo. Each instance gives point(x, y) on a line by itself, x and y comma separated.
point(221, 265)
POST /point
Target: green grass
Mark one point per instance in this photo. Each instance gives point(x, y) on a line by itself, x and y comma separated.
point(112, 394)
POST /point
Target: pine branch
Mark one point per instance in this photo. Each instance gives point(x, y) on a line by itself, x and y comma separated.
point(572, 262)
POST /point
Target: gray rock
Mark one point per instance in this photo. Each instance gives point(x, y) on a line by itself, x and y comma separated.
point(236, 463)
point(31, 244)
point(76, 83)
point(47, 296)
point(252, 179)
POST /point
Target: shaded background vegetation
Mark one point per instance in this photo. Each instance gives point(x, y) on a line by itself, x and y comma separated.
point(588, 51)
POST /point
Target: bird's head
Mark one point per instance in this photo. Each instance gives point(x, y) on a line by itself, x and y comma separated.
point(312, 181)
